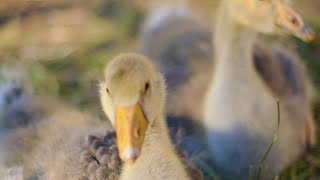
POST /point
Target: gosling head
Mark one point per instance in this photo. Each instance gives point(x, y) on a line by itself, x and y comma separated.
point(132, 96)
point(270, 16)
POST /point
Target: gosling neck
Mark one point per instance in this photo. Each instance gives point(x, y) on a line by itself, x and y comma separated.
point(233, 45)
point(157, 131)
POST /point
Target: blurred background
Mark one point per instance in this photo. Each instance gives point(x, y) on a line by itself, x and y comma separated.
point(63, 46)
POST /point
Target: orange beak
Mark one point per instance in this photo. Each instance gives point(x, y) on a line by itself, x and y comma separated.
point(131, 125)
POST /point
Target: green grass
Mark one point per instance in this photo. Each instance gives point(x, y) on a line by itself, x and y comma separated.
point(275, 138)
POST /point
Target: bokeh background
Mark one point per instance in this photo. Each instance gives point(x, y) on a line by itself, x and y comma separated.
point(64, 45)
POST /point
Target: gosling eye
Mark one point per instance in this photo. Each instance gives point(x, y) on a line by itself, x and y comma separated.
point(107, 90)
point(294, 21)
point(146, 87)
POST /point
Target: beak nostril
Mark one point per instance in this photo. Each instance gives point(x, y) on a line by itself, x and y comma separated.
point(138, 132)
